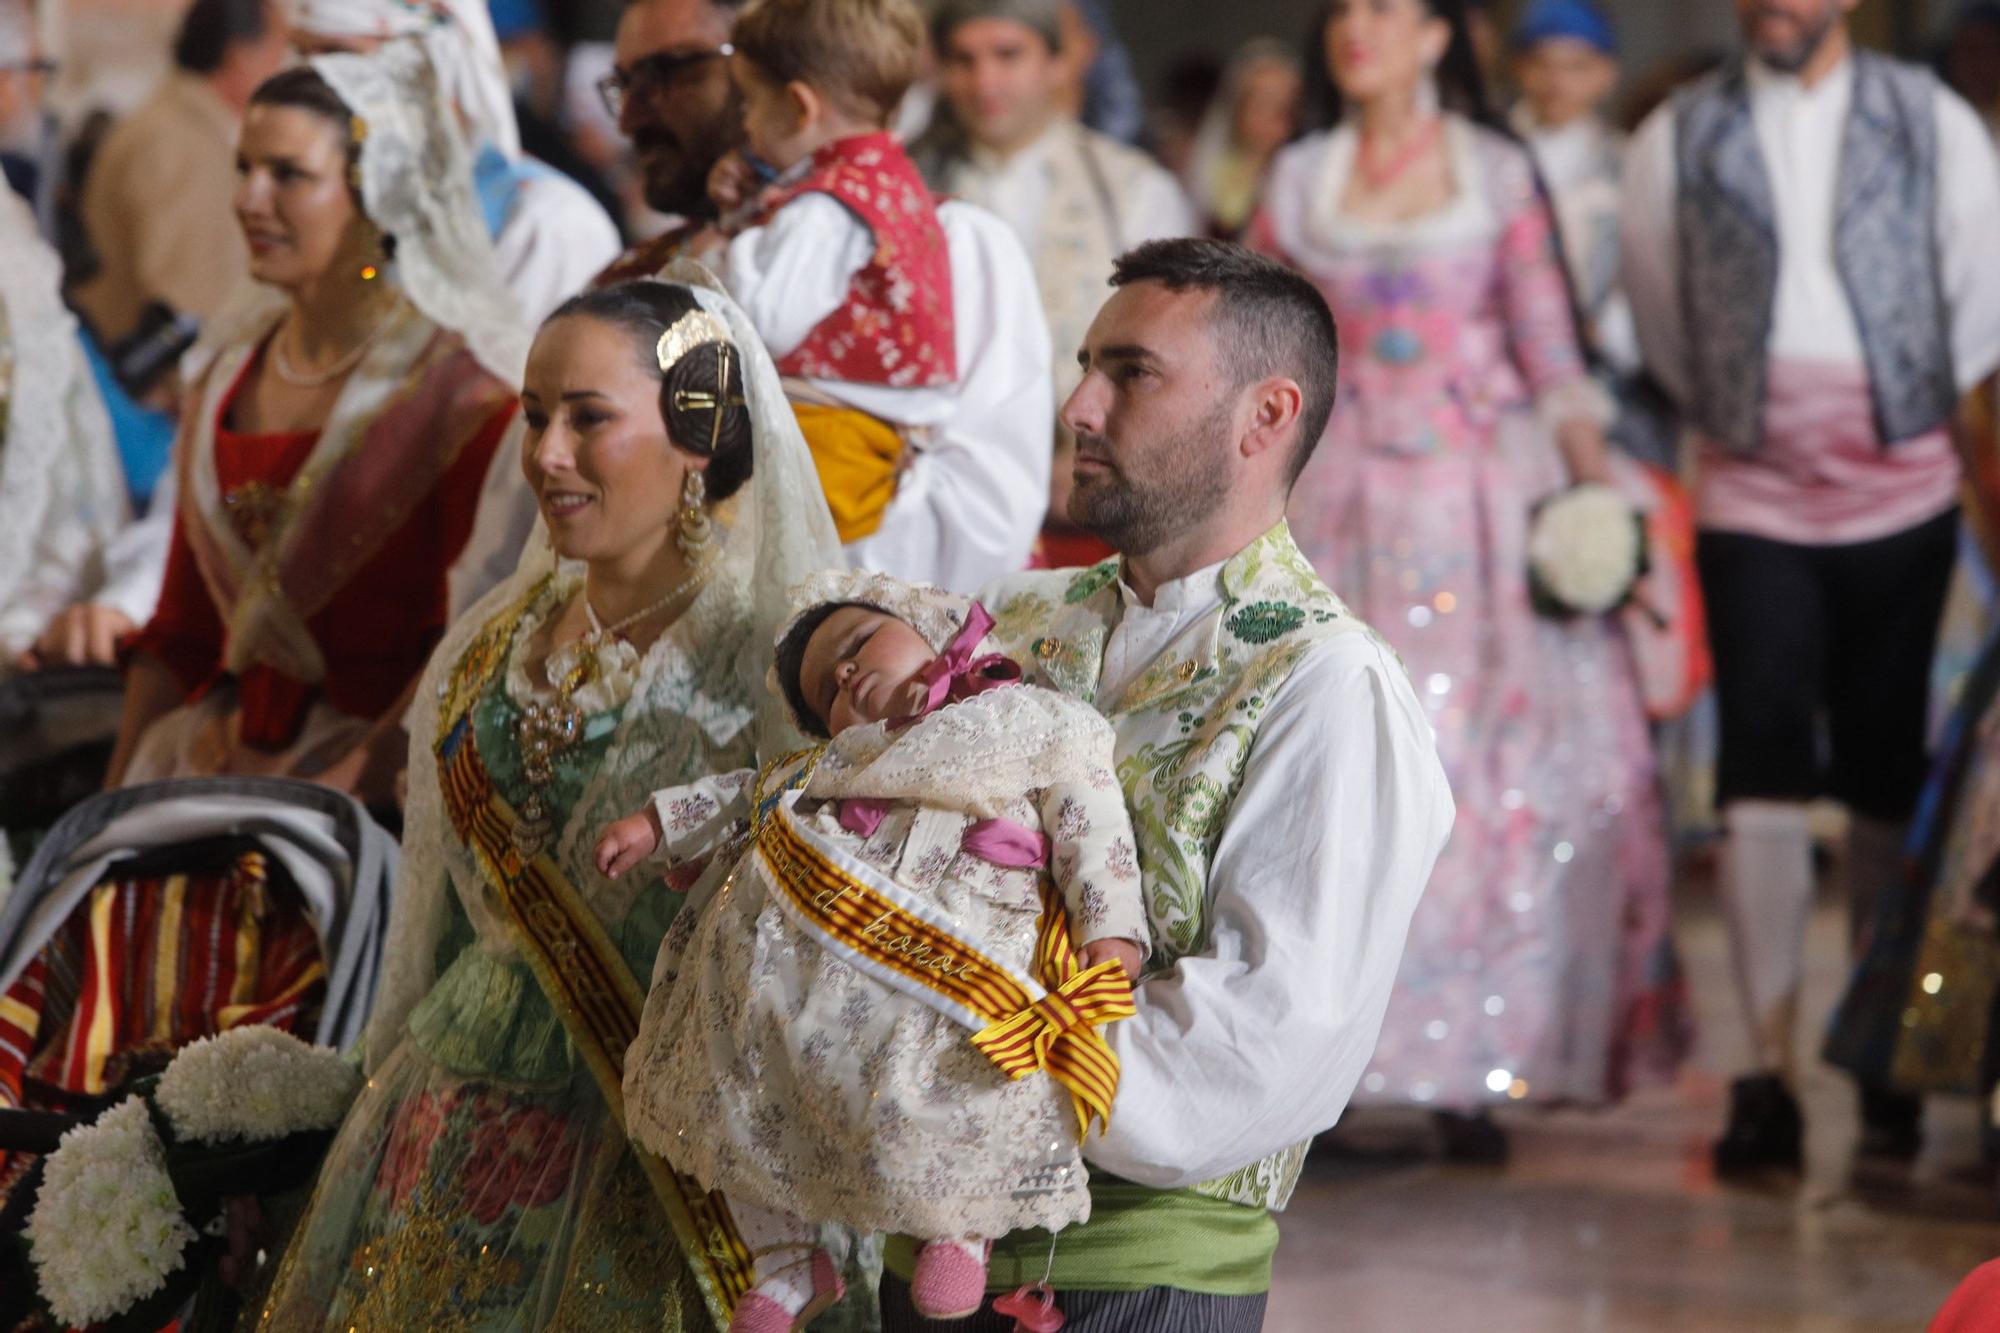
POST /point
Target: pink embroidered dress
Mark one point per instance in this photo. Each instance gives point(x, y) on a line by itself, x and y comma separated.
point(1539, 963)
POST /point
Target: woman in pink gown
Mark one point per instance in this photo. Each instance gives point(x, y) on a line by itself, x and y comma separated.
point(1538, 966)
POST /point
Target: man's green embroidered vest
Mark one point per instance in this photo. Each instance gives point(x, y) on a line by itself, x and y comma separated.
point(1185, 728)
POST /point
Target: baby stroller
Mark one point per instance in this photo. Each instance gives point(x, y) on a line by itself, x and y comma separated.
point(155, 915)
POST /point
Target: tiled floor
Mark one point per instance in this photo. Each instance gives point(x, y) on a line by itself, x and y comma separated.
point(1612, 1221)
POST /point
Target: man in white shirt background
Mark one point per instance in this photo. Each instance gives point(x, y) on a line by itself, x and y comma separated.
point(1808, 250)
point(1004, 141)
point(1283, 781)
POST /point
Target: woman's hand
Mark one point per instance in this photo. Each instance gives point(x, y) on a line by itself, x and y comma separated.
point(87, 634)
point(1585, 452)
point(1124, 952)
point(628, 842)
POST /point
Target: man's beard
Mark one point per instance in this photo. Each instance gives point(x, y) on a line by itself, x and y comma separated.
point(679, 185)
point(1185, 478)
point(1796, 55)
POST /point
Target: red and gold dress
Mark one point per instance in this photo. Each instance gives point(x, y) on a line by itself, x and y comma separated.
point(358, 536)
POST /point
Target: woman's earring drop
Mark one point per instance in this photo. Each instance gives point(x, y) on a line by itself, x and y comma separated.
point(693, 532)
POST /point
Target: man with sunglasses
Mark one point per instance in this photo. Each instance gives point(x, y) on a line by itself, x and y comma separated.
point(671, 95)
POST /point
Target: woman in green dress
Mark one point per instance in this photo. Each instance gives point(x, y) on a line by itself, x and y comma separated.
point(483, 1180)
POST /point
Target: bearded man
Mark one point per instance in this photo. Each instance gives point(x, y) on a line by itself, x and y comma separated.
point(1282, 778)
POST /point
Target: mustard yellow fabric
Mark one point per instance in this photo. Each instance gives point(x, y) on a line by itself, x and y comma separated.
point(857, 457)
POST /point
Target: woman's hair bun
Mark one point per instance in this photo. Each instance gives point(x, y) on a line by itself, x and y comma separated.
point(702, 399)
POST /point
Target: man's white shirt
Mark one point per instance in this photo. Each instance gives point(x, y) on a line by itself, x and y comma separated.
point(1256, 1042)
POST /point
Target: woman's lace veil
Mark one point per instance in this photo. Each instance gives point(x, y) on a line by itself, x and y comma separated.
point(776, 532)
point(416, 185)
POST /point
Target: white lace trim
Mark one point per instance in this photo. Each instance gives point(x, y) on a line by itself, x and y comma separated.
point(977, 757)
point(416, 184)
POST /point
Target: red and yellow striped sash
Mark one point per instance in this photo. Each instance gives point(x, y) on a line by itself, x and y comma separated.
point(594, 993)
point(1022, 1024)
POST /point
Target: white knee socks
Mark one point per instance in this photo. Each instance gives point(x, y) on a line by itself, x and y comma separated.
point(1766, 884)
point(781, 1247)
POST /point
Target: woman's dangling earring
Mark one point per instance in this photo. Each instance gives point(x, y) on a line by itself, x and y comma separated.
point(693, 532)
point(373, 269)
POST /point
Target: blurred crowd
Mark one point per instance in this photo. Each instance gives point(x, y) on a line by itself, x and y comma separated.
point(1753, 295)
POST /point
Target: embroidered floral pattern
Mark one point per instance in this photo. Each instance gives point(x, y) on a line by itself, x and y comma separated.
point(690, 812)
point(417, 1128)
point(1072, 823)
point(1265, 622)
point(1090, 582)
point(896, 327)
point(521, 1158)
point(1091, 908)
point(1196, 807)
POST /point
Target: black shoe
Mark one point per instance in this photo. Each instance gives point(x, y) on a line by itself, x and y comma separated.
point(1765, 1130)
point(1472, 1139)
point(1892, 1124)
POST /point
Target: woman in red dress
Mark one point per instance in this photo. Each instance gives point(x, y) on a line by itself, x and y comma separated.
point(335, 438)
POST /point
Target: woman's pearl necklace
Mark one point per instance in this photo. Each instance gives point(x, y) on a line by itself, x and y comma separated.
point(598, 629)
point(313, 379)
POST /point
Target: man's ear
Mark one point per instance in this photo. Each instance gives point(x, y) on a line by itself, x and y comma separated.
point(1275, 405)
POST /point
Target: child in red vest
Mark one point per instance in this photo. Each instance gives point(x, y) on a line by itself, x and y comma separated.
point(837, 253)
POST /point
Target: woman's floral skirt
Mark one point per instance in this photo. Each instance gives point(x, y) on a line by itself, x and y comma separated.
point(452, 1203)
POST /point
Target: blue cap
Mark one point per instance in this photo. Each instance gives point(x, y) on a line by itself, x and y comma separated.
point(1577, 19)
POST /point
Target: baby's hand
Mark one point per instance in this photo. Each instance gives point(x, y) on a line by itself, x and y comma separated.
point(627, 842)
point(731, 183)
point(1124, 952)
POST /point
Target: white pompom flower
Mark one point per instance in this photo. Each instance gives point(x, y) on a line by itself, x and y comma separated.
point(254, 1083)
point(1587, 548)
point(107, 1229)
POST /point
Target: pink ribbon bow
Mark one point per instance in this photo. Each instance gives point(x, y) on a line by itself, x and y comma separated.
point(956, 674)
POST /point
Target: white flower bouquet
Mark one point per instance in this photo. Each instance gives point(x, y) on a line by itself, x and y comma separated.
point(126, 1222)
point(107, 1229)
point(1586, 551)
point(254, 1083)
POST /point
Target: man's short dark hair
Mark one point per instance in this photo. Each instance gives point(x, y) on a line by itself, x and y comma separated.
point(213, 26)
point(1268, 320)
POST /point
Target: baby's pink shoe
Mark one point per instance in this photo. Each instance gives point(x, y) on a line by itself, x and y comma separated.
point(758, 1313)
point(950, 1283)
